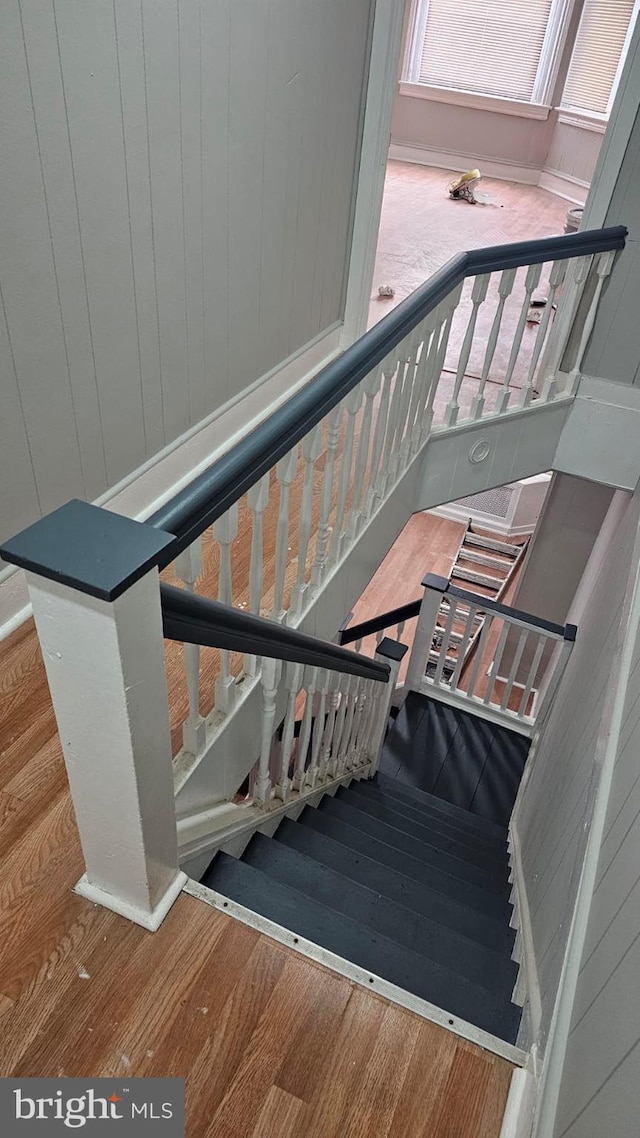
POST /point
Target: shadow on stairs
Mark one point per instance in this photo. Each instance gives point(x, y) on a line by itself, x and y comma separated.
point(405, 875)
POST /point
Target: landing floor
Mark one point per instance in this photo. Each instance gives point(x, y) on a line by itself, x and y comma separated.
point(456, 756)
point(271, 1044)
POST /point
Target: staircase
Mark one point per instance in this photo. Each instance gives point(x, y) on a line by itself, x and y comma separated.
point(409, 886)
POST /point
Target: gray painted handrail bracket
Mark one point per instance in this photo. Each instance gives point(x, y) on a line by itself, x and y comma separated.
point(205, 499)
point(192, 619)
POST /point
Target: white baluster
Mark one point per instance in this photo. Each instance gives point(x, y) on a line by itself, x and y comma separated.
point(427, 620)
point(225, 531)
point(383, 480)
point(350, 697)
point(462, 647)
point(379, 637)
point(422, 385)
point(480, 647)
point(447, 309)
point(497, 660)
point(313, 770)
point(556, 277)
point(531, 677)
point(604, 264)
point(373, 496)
point(400, 446)
point(322, 535)
point(532, 280)
point(400, 630)
point(507, 278)
point(446, 638)
point(339, 536)
point(513, 671)
point(270, 677)
point(310, 682)
point(327, 762)
point(343, 688)
point(354, 722)
point(293, 682)
point(286, 471)
point(188, 567)
point(392, 654)
point(311, 450)
point(409, 442)
point(371, 386)
point(478, 296)
point(257, 501)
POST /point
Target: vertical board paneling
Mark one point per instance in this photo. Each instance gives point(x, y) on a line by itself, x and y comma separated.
point(554, 814)
point(176, 191)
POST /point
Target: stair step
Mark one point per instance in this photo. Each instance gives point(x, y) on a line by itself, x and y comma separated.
point(482, 542)
point(477, 578)
point(431, 816)
point(429, 854)
point(472, 554)
point(352, 941)
point(387, 882)
point(427, 829)
point(381, 915)
point(464, 892)
point(462, 817)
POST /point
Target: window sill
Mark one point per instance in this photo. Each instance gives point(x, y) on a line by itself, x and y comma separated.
point(514, 107)
point(583, 119)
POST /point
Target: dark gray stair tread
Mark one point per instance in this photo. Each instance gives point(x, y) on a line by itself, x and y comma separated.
point(429, 854)
point(463, 818)
point(460, 774)
point(353, 941)
point(498, 786)
point(417, 822)
point(423, 736)
point(382, 915)
point(464, 892)
point(493, 932)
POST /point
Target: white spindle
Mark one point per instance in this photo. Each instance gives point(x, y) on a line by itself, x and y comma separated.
point(497, 660)
point(531, 282)
point(351, 760)
point(384, 474)
point(188, 567)
point(463, 646)
point(402, 440)
point(604, 264)
point(513, 671)
point(326, 753)
point(350, 696)
point(319, 567)
point(311, 450)
point(313, 771)
point(309, 684)
point(478, 296)
point(343, 689)
point(225, 530)
point(531, 677)
point(446, 311)
point(270, 677)
point(382, 698)
point(257, 501)
point(446, 638)
point(362, 454)
point(286, 471)
point(373, 490)
point(352, 406)
point(293, 683)
point(556, 277)
point(480, 647)
point(400, 629)
point(422, 383)
point(505, 286)
point(427, 619)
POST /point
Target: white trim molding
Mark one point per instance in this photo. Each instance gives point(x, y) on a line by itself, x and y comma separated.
point(586, 120)
point(449, 160)
point(565, 186)
point(475, 101)
point(520, 1109)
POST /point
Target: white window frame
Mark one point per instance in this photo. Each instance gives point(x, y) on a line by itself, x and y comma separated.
point(537, 107)
point(594, 119)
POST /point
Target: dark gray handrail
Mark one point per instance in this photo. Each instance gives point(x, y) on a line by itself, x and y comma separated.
point(379, 623)
point(485, 604)
point(205, 499)
point(196, 620)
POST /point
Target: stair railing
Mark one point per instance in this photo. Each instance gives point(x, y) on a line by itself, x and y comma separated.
point(486, 657)
point(93, 576)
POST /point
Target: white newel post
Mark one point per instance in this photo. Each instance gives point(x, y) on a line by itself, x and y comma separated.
point(434, 589)
point(94, 586)
point(389, 652)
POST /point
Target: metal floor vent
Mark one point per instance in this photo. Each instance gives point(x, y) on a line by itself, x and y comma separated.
point(494, 502)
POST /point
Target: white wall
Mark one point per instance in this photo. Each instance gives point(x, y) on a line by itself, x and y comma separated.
point(600, 1088)
point(176, 194)
point(556, 803)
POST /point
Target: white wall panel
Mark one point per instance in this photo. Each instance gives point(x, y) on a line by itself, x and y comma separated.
point(176, 196)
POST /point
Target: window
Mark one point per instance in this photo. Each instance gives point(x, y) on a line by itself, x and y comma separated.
point(484, 46)
point(598, 55)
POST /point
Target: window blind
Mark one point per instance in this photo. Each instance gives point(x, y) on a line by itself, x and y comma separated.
point(596, 55)
point(484, 46)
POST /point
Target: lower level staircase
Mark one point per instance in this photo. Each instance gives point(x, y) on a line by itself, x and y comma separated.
point(409, 886)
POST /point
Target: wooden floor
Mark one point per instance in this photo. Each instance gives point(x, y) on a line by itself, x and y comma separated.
point(270, 1044)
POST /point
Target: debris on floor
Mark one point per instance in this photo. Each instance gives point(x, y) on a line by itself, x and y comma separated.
point(462, 188)
point(385, 291)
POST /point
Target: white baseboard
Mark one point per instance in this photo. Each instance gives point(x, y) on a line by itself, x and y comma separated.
point(520, 1108)
point(448, 160)
point(152, 484)
point(490, 522)
point(565, 186)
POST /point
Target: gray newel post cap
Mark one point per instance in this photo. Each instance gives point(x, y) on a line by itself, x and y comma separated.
point(89, 549)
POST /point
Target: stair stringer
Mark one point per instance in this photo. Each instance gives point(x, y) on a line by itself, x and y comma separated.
point(517, 445)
